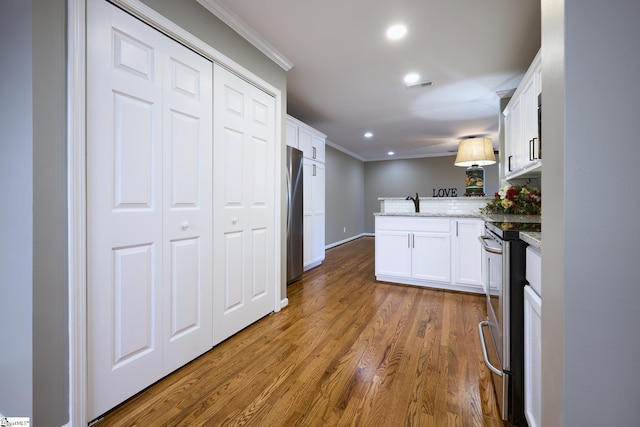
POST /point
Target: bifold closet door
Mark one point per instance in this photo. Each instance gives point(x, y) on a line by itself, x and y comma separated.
point(244, 204)
point(149, 205)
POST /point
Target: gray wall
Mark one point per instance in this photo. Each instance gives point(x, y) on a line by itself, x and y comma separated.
point(344, 196)
point(590, 316)
point(16, 218)
point(401, 178)
point(33, 273)
point(50, 277)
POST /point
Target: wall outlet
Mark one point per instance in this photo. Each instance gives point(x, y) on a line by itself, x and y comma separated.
point(344, 230)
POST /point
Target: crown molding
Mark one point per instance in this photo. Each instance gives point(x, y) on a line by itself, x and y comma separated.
point(241, 27)
point(344, 150)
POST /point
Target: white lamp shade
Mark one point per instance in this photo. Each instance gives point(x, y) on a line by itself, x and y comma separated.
point(475, 151)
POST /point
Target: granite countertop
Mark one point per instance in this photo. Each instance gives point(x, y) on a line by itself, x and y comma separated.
point(512, 218)
point(431, 214)
point(532, 238)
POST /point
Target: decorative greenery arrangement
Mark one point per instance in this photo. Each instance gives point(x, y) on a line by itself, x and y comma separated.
point(515, 199)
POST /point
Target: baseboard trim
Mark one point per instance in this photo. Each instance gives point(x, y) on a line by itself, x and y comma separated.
point(347, 240)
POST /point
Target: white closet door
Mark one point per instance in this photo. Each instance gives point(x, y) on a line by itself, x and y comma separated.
point(149, 206)
point(188, 204)
point(244, 204)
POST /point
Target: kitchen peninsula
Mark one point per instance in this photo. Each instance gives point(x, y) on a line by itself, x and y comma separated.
point(435, 247)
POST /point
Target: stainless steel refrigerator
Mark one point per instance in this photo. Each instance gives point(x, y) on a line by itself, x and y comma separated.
point(294, 214)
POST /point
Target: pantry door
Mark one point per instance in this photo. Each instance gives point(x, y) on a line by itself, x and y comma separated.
point(149, 206)
point(244, 204)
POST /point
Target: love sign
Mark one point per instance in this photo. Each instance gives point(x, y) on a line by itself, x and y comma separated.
point(445, 192)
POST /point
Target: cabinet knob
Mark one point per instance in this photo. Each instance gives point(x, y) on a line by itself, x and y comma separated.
point(186, 225)
point(234, 220)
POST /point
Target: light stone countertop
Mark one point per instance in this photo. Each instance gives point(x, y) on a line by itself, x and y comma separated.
point(532, 238)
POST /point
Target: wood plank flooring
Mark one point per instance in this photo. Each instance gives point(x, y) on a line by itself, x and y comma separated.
point(346, 351)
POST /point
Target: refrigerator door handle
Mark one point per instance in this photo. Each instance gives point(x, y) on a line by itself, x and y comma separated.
point(288, 200)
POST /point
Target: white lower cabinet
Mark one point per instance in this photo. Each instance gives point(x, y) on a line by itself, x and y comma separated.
point(467, 252)
point(532, 357)
point(430, 258)
point(429, 251)
point(533, 340)
point(393, 253)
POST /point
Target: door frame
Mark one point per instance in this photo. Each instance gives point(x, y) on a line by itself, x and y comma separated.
point(76, 177)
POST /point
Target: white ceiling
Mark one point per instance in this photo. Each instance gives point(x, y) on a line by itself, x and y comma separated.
point(347, 78)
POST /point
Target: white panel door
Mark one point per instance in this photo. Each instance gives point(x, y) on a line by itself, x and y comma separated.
point(244, 204)
point(187, 204)
point(149, 206)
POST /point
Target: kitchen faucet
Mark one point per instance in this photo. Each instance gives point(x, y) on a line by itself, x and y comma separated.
point(416, 202)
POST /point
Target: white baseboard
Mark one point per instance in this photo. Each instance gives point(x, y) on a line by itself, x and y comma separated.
point(284, 302)
point(348, 240)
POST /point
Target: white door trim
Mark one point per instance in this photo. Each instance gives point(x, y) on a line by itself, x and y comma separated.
point(76, 184)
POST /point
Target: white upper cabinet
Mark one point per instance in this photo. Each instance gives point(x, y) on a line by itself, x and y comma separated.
point(292, 135)
point(522, 146)
point(305, 138)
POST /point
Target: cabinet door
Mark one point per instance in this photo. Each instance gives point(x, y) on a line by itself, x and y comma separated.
point(307, 213)
point(305, 142)
point(313, 212)
point(467, 252)
point(513, 137)
point(530, 124)
point(292, 135)
point(532, 357)
point(431, 256)
point(317, 148)
point(393, 253)
point(318, 175)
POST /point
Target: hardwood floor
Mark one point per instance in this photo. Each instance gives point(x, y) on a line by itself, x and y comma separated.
point(347, 350)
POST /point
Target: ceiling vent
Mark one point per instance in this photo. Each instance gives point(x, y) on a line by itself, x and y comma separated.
point(418, 84)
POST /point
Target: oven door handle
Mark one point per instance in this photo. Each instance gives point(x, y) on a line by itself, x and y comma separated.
point(488, 248)
point(483, 344)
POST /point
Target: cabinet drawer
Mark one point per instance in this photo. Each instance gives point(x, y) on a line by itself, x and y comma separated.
point(437, 225)
point(534, 269)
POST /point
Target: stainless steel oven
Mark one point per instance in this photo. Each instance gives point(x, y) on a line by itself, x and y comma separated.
point(493, 349)
point(501, 335)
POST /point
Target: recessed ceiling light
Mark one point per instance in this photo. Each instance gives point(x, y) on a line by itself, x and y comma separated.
point(390, 153)
point(411, 78)
point(396, 32)
point(368, 135)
